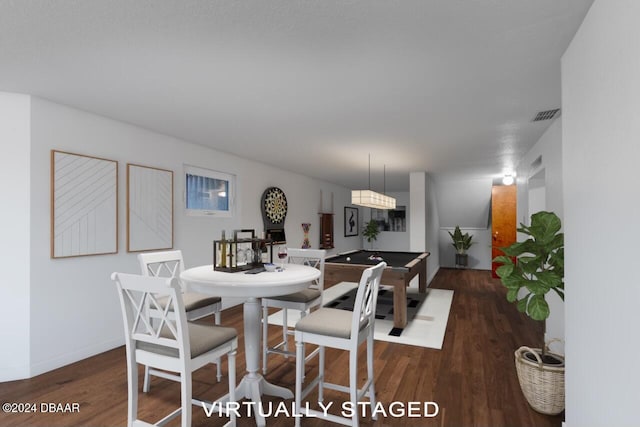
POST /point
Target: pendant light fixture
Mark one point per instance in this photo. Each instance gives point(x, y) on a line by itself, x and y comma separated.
point(371, 199)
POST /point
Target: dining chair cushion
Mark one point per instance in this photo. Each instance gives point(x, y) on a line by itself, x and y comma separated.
point(332, 322)
point(201, 337)
point(192, 301)
point(303, 296)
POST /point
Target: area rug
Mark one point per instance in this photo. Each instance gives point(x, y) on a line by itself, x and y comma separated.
point(427, 314)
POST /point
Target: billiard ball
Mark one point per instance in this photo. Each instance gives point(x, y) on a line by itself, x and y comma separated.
point(348, 259)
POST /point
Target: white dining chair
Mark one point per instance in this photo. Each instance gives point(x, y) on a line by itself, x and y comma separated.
point(197, 306)
point(303, 301)
point(169, 342)
point(345, 330)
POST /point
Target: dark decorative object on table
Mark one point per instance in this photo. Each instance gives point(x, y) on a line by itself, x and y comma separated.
point(240, 254)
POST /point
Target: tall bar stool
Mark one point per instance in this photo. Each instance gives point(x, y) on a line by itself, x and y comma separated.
point(170, 264)
point(169, 342)
point(304, 301)
point(330, 327)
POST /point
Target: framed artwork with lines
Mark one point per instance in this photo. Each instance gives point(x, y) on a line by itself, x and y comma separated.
point(149, 208)
point(84, 205)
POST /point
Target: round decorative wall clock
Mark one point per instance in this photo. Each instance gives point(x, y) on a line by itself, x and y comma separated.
point(275, 205)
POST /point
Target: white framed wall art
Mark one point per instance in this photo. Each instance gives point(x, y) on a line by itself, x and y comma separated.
point(149, 208)
point(84, 205)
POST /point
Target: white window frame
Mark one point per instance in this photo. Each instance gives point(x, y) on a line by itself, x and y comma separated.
point(208, 173)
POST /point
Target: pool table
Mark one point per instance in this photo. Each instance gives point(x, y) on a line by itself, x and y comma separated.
point(401, 268)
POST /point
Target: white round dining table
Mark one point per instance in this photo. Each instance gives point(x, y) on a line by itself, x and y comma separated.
point(252, 287)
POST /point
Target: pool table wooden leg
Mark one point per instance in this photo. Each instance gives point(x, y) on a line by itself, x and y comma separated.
point(399, 305)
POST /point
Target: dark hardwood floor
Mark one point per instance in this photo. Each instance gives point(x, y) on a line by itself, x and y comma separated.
point(472, 379)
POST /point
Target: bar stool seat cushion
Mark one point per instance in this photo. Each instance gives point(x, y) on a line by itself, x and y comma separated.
point(202, 338)
point(303, 296)
point(331, 322)
point(193, 301)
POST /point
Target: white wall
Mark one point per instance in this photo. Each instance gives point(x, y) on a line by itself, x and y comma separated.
point(417, 221)
point(424, 221)
point(601, 130)
point(467, 203)
point(15, 112)
point(432, 226)
point(463, 201)
point(74, 312)
point(544, 181)
point(549, 149)
point(418, 211)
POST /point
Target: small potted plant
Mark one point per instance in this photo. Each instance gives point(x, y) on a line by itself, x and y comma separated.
point(529, 271)
point(371, 231)
point(462, 242)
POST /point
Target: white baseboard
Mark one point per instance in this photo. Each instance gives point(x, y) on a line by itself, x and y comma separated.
point(75, 356)
point(13, 373)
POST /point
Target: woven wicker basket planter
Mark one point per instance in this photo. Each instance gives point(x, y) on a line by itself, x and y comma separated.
point(542, 385)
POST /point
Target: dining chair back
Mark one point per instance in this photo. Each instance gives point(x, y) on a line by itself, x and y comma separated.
point(171, 264)
point(302, 301)
point(167, 341)
point(345, 330)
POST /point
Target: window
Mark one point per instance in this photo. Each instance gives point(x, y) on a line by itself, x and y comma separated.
point(208, 192)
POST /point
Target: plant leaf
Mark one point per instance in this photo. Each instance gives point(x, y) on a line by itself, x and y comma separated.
point(538, 265)
point(537, 308)
point(536, 287)
point(503, 259)
point(514, 281)
point(519, 248)
point(544, 226)
point(556, 243)
point(549, 279)
point(556, 260)
point(505, 270)
point(529, 264)
point(522, 304)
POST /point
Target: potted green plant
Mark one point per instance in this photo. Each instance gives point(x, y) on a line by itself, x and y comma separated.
point(461, 242)
point(371, 231)
point(530, 270)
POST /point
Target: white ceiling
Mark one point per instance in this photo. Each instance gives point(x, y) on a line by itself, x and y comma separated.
point(444, 86)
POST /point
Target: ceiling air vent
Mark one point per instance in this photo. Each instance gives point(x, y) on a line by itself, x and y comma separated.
point(546, 115)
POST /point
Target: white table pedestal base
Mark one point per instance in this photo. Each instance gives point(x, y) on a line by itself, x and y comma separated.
point(205, 280)
point(253, 385)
